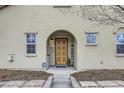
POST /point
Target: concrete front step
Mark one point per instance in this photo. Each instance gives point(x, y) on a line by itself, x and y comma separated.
point(61, 86)
point(61, 83)
point(61, 79)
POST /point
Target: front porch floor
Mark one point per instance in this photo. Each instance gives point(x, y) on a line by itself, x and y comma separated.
point(61, 70)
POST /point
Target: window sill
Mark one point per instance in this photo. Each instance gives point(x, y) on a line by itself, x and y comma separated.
point(31, 55)
point(91, 44)
point(119, 55)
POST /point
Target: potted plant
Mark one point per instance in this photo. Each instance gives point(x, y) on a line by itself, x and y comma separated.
point(68, 62)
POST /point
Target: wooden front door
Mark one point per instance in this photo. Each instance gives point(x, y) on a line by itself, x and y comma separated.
point(61, 51)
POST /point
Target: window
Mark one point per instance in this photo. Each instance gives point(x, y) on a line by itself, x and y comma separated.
point(91, 39)
point(120, 43)
point(31, 43)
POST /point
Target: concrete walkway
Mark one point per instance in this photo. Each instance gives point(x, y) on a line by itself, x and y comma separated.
point(61, 81)
point(61, 76)
point(22, 84)
point(102, 84)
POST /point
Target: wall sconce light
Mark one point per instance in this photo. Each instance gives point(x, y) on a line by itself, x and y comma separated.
point(51, 42)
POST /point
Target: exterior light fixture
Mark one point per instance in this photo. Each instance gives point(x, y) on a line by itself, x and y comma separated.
point(51, 42)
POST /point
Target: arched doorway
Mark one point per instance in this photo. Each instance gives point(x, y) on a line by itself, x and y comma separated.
point(61, 49)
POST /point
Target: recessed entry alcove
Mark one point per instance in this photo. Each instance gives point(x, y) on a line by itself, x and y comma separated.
point(61, 49)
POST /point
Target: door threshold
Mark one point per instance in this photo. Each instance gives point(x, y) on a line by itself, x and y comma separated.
point(61, 65)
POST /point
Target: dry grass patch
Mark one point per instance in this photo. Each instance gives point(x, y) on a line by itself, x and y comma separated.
point(95, 75)
point(7, 75)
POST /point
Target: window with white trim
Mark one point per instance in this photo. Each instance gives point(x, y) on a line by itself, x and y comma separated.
point(120, 43)
point(30, 43)
point(91, 39)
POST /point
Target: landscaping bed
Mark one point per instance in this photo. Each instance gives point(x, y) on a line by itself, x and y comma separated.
point(7, 75)
point(99, 75)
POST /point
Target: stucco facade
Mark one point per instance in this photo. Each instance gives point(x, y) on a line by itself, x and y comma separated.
point(15, 21)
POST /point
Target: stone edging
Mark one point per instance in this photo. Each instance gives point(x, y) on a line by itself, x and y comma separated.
point(74, 82)
point(48, 83)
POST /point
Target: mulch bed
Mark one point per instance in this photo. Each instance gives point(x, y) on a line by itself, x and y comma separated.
point(94, 75)
point(7, 75)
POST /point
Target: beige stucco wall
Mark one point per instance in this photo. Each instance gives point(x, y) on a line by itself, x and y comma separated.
point(16, 20)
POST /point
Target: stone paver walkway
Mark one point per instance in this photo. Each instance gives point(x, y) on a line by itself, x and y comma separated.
point(102, 84)
point(34, 83)
point(21, 84)
point(61, 76)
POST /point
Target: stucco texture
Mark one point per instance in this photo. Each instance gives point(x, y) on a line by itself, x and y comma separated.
point(15, 21)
